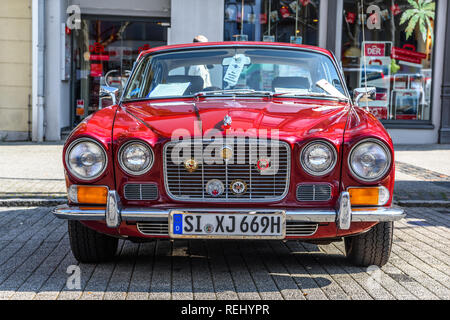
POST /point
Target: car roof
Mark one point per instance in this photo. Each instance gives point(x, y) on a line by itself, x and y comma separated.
point(235, 43)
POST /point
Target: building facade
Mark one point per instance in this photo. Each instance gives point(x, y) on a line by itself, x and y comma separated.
point(15, 70)
point(397, 46)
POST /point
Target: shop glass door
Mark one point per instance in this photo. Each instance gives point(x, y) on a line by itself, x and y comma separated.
point(394, 55)
point(294, 21)
point(104, 51)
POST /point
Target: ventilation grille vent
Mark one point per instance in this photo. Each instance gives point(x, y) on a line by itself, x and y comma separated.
point(314, 192)
point(141, 191)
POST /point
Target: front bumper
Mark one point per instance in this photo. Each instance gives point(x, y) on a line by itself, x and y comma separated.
point(113, 214)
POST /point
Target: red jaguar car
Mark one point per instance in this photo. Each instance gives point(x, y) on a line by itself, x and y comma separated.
point(232, 140)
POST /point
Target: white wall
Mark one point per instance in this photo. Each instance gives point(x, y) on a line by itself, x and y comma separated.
point(323, 23)
point(193, 17)
point(15, 69)
point(57, 101)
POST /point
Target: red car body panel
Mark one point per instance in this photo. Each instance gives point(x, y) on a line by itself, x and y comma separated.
point(301, 122)
point(298, 122)
point(231, 44)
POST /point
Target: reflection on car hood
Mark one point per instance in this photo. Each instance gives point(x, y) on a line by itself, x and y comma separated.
point(293, 119)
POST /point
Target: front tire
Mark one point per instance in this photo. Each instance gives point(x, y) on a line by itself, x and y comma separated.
point(89, 246)
point(372, 247)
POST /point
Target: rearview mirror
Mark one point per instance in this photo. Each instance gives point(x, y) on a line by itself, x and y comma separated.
point(240, 59)
point(367, 93)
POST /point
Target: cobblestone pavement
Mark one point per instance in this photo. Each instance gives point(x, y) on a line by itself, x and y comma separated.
point(416, 183)
point(422, 172)
point(35, 257)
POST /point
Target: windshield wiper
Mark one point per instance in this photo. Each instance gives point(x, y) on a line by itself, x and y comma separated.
point(252, 92)
point(309, 95)
point(234, 92)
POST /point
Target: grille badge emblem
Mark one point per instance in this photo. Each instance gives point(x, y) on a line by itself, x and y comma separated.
point(238, 187)
point(190, 165)
point(215, 187)
point(263, 164)
point(226, 153)
point(227, 121)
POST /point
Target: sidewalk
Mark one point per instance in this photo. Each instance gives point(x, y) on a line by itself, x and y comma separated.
point(422, 174)
point(35, 172)
point(31, 171)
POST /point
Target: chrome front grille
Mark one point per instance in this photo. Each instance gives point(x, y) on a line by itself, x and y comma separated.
point(135, 191)
point(293, 228)
point(153, 227)
point(183, 185)
point(313, 192)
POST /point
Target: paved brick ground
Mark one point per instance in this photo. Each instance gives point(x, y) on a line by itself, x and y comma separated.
point(35, 255)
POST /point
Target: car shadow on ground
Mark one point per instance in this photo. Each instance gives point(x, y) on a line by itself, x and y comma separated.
point(244, 263)
point(35, 260)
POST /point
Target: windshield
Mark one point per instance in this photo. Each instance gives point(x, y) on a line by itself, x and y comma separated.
point(239, 71)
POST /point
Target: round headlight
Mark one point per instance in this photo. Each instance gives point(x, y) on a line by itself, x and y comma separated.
point(370, 160)
point(136, 158)
point(86, 159)
point(318, 158)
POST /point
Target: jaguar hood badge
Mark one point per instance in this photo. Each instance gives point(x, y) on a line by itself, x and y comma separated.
point(227, 121)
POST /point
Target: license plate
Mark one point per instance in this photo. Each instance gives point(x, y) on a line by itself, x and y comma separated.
point(228, 225)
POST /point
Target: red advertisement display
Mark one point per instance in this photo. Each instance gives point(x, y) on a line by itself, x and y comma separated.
point(408, 53)
point(96, 70)
point(80, 107)
point(375, 69)
point(375, 49)
point(350, 17)
point(284, 11)
point(99, 57)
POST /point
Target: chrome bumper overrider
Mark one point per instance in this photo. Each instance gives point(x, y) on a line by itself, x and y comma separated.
point(113, 214)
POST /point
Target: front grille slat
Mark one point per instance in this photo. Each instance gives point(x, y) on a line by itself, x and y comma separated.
point(190, 186)
point(293, 228)
point(153, 228)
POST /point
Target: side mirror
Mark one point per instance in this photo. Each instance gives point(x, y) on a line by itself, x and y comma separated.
point(109, 92)
point(367, 93)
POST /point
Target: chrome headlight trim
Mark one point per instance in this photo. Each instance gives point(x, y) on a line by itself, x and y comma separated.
point(388, 156)
point(122, 165)
point(332, 165)
point(69, 149)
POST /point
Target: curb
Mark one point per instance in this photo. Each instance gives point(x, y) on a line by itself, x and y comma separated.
point(32, 202)
point(423, 203)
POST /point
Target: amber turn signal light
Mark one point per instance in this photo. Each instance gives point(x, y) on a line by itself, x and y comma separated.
point(88, 194)
point(368, 196)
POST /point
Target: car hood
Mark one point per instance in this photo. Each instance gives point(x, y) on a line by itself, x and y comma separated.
point(289, 119)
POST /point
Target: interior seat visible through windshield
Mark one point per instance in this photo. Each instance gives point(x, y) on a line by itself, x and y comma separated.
point(189, 72)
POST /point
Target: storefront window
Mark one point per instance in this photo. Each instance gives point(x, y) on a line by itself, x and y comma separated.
point(295, 21)
point(394, 55)
point(103, 52)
